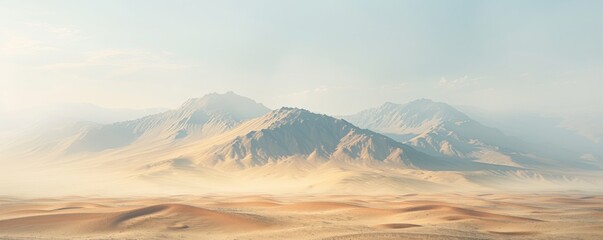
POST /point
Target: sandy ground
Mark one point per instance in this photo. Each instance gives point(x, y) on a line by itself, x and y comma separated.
point(412, 216)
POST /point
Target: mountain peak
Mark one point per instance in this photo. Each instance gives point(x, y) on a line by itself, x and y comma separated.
point(213, 98)
point(290, 115)
point(239, 106)
point(435, 128)
point(417, 110)
point(389, 105)
point(403, 121)
point(197, 118)
point(431, 109)
point(297, 133)
point(291, 109)
point(422, 101)
point(425, 102)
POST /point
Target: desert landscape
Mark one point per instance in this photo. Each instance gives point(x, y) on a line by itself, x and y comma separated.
point(225, 167)
point(409, 216)
point(310, 120)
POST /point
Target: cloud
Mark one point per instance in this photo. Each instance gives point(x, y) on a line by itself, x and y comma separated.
point(20, 45)
point(31, 38)
point(120, 61)
point(457, 83)
point(56, 30)
point(588, 157)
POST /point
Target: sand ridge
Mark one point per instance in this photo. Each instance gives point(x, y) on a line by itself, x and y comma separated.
point(411, 216)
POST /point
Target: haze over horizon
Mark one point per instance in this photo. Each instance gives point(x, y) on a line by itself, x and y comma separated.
point(271, 119)
point(537, 57)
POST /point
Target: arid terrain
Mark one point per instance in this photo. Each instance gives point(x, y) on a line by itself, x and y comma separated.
point(411, 216)
point(195, 173)
point(286, 120)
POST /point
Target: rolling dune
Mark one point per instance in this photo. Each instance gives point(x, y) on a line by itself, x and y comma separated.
point(411, 216)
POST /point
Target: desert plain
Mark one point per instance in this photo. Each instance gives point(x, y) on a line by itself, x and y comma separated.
point(252, 216)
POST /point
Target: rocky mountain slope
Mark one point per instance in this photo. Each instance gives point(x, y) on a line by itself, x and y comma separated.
point(441, 130)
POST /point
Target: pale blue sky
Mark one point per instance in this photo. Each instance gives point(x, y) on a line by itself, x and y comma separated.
point(334, 57)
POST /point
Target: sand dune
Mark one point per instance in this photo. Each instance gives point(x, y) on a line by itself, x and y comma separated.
point(197, 218)
point(411, 216)
point(318, 206)
point(464, 213)
point(396, 225)
point(157, 217)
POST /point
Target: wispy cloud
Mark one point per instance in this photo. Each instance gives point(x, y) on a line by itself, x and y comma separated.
point(57, 30)
point(120, 61)
point(457, 82)
point(21, 45)
point(32, 38)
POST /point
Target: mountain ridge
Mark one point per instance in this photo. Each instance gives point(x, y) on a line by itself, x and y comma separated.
point(197, 117)
point(294, 132)
point(213, 143)
point(439, 129)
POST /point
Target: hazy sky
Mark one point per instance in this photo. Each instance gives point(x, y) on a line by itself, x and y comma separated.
point(333, 57)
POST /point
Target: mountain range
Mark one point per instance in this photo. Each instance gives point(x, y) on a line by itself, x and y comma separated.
point(441, 130)
point(226, 142)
